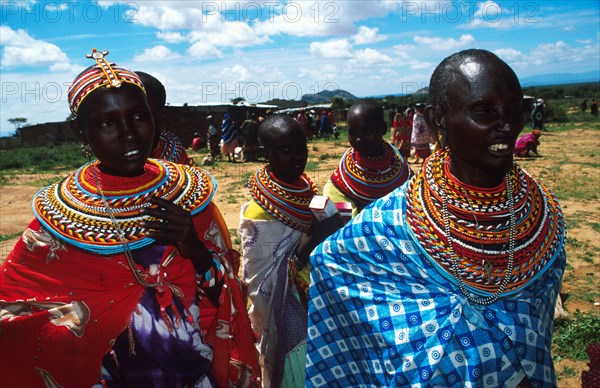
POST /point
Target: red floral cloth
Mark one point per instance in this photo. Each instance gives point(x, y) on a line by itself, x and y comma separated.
point(61, 307)
point(591, 378)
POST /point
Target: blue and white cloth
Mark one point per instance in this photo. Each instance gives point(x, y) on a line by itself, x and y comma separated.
point(380, 314)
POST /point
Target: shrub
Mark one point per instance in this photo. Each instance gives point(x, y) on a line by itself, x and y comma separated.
point(572, 336)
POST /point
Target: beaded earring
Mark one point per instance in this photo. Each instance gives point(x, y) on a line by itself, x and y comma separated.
point(86, 151)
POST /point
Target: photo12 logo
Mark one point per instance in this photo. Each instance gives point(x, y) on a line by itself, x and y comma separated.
point(469, 11)
point(55, 12)
point(267, 11)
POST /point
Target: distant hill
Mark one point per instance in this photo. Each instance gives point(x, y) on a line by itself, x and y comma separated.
point(327, 95)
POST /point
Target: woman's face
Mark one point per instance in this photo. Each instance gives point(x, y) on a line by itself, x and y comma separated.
point(118, 126)
point(287, 153)
point(483, 120)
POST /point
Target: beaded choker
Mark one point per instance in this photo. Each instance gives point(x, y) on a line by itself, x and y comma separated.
point(365, 179)
point(74, 211)
point(467, 230)
point(284, 201)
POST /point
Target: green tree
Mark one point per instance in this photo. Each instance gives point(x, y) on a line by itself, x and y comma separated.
point(18, 122)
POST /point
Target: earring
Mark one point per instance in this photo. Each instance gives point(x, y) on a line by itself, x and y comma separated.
point(86, 151)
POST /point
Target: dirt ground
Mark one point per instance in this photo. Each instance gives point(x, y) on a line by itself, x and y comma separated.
point(567, 157)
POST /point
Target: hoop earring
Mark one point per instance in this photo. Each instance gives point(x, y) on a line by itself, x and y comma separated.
point(86, 151)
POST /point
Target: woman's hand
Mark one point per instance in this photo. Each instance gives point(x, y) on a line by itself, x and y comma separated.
point(173, 225)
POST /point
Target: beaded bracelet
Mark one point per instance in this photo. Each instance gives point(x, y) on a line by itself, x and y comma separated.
point(214, 274)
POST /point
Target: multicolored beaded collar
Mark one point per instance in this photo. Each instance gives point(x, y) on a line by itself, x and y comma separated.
point(284, 201)
point(365, 179)
point(73, 210)
point(170, 148)
point(479, 221)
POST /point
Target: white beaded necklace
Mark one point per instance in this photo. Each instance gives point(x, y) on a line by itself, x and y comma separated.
point(139, 275)
point(511, 247)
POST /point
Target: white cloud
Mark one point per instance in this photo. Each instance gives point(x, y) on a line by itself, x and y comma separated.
point(367, 35)
point(171, 37)
point(22, 49)
point(569, 28)
point(236, 73)
point(229, 34)
point(163, 17)
point(369, 57)
point(561, 52)
point(449, 44)
point(510, 54)
point(328, 72)
point(203, 49)
point(407, 54)
point(156, 53)
point(491, 15)
point(339, 48)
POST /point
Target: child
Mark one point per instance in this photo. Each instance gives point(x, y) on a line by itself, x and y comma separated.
point(116, 280)
point(278, 231)
point(370, 169)
point(166, 144)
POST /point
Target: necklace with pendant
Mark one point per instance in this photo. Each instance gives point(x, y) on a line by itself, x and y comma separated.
point(486, 264)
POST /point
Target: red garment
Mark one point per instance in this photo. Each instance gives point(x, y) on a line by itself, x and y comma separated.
point(591, 378)
point(197, 143)
point(93, 295)
point(526, 143)
point(61, 306)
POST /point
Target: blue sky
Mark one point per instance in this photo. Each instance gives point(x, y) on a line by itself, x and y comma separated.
point(213, 51)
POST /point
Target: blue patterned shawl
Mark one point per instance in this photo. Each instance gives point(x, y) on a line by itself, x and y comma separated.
point(380, 314)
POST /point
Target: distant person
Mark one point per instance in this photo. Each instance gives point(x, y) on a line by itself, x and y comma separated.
point(301, 119)
point(583, 106)
point(390, 114)
point(229, 137)
point(538, 115)
point(325, 129)
point(197, 141)
point(420, 136)
point(278, 231)
point(526, 145)
point(213, 138)
point(371, 168)
point(594, 107)
point(402, 133)
point(167, 145)
point(249, 131)
point(334, 129)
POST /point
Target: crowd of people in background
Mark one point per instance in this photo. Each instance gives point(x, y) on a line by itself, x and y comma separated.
point(446, 276)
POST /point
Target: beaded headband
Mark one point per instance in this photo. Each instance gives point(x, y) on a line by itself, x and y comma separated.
point(101, 74)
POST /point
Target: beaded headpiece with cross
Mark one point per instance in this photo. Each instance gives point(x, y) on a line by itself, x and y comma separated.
point(102, 74)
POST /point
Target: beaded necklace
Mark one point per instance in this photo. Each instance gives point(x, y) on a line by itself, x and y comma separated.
point(140, 276)
point(169, 148)
point(488, 241)
point(288, 202)
point(365, 179)
point(74, 209)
